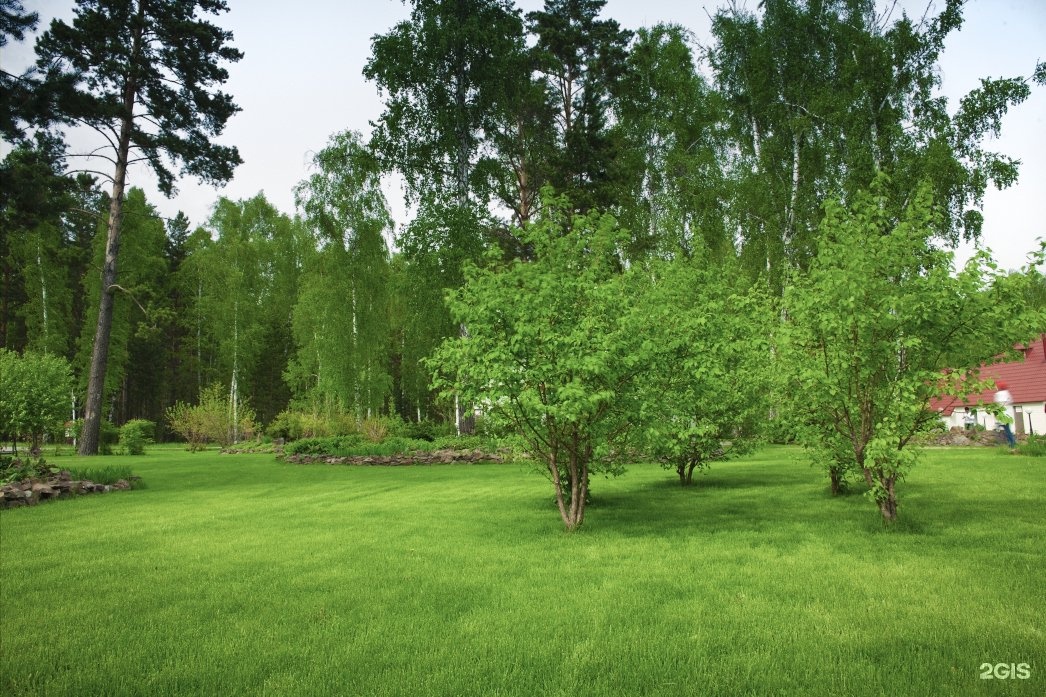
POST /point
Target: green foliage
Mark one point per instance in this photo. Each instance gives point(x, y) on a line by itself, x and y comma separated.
point(211, 420)
point(873, 329)
point(323, 446)
point(135, 435)
point(799, 79)
point(704, 396)
point(34, 395)
point(15, 469)
point(345, 286)
point(1034, 446)
point(545, 348)
point(139, 306)
point(447, 72)
point(671, 124)
point(90, 63)
point(109, 474)
point(427, 430)
point(359, 446)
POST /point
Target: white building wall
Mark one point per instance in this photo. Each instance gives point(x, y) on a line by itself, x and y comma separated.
point(1033, 415)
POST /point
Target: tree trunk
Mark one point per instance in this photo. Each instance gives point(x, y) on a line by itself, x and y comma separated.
point(572, 493)
point(837, 477)
point(888, 502)
point(100, 352)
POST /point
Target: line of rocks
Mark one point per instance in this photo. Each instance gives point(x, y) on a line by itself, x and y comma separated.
point(436, 457)
point(29, 492)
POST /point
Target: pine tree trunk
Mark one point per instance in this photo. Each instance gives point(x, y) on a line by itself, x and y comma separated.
point(103, 331)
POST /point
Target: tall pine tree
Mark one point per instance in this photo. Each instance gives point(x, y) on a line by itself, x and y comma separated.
point(143, 74)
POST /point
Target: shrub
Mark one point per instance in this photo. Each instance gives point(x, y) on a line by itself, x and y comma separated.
point(322, 446)
point(1035, 446)
point(135, 435)
point(210, 421)
point(356, 446)
point(14, 469)
point(426, 430)
point(376, 429)
point(34, 395)
point(286, 425)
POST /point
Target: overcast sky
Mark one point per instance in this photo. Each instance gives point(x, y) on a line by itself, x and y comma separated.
point(301, 81)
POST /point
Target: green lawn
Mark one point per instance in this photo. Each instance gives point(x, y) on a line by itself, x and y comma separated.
point(240, 575)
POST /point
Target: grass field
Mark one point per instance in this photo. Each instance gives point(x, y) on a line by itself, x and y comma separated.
point(236, 575)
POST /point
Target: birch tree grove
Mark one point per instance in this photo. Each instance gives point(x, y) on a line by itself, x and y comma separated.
point(342, 316)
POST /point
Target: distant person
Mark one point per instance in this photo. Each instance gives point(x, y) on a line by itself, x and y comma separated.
point(1004, 399)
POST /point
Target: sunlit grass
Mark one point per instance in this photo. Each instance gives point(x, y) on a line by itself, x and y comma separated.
point(241, 575)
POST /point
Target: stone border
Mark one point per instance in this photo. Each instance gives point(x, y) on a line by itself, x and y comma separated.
point(29, 492)
point(436, 457)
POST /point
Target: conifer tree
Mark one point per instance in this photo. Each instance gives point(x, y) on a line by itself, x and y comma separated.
point(144, 74)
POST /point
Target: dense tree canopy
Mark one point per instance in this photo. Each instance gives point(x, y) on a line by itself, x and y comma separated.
point(649, 248)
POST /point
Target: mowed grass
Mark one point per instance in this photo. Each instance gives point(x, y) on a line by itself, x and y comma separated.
point(234, 575)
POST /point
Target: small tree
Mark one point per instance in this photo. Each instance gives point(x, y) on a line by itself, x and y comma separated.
point(547, 351)
point(34, 395)
point(873, 328)
point(703, 398)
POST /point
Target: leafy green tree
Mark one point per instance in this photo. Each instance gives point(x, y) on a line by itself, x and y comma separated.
point(674, 133)
point(881, 326)
point(341, 319)
point(34, 395)
point(143, 75)
point(434, 247)
point(703, 397)
point(246, 275)
point(821, 96)
point(444, 71)
point(34, 196)
point(546, 350)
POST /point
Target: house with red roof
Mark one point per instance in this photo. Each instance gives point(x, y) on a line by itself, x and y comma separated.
point(1026, 381)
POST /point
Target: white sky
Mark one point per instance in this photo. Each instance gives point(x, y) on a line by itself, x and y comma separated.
point(301, 81)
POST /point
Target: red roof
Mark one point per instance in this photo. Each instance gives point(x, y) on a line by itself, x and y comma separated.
point(1025, 379)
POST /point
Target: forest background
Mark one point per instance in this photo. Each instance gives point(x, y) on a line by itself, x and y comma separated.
point(723, 147)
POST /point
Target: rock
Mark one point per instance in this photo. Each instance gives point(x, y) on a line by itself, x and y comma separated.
point(43, 491)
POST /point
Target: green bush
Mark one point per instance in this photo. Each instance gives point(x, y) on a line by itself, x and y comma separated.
point(135, 435)
point(14, 469)
point(209, 421)
point(34, 395)
point(1035, 446)
point(322, 446)
point(426, 430)
point(356, 446)
point(108, 436)
point(463, 443)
